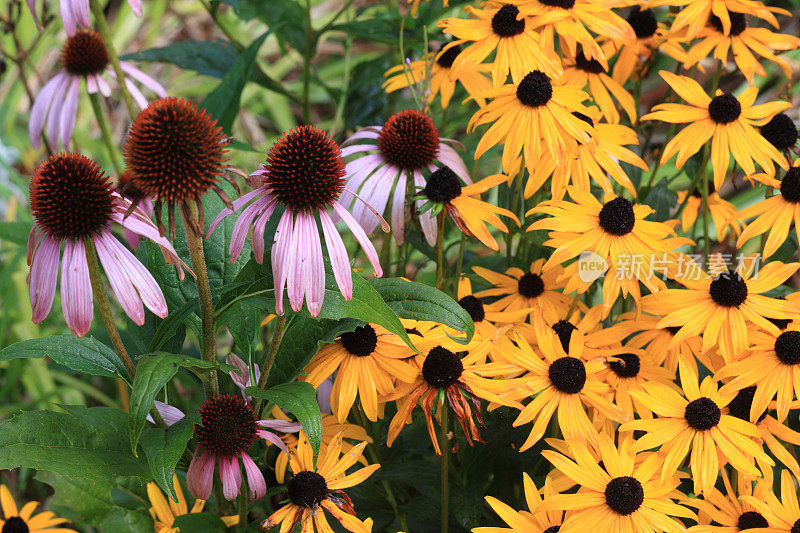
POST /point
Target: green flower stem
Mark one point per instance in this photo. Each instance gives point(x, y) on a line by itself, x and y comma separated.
point(103, 305)
point(459, 265)
point(440, 251)
point(514, 205)
point(307, 56)
point(208, 342)
point(105, 129)
point(243, 503)
point(444, 447)
point(274, 344)
point(105, 34)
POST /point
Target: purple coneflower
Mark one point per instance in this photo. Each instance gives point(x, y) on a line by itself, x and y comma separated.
point(304, 172)
point(228, 427)
point(72, 202)
point(405, 146)
point(128, 189)
point(75, 13)
point(83, 56)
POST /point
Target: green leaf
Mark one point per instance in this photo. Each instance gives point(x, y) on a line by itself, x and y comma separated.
point(93, 502)
point(152, 373)
point(166, 328)
point(164, 447)
point(302, 339)
point(421, 302)
point(87, 443)
point(209, 58)
point(223, 102)
point(85, 354)
point(366, 303)
point(205, 522)
point(285, 18)
point(300, 399)
point(662, 200)
point(16, 232)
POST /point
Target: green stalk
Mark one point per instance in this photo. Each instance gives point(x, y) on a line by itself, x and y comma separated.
point(444, 447)
point(459, 264)
point(274, 344)
point(243, 503)
point(514, 204)
point(105, 129)
point(307, 56)
point(208, 341)
point(102, 304)
point(440, 251)
point(105, 34)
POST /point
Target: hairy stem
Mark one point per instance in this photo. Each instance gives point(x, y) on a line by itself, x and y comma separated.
point(445, 449)
point(105, 129)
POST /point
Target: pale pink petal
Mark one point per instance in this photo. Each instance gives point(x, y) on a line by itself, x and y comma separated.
point(315, 286)
point(67, 17)
point(242, 227)
point(80, 10)
point(256, 485)
point(76, 289)
point(136, 7)
point(54, 115)
point(40, 107)
point(260, 227)
point(282, 257)
point(362, 134)
point(120, 282)
point(337, 253)
point(377, 200)
point(241, 378)
point(426, 221)
point(169, 413)
point(32, 7)
point(69, 110)
point(273, 438)
point(142, 225)
point(361, 237)
point(33, 242)
point(357, 172)
point(299, 263)
point(91, 84)
point(143, 78)
point(324, 395)
point(399, 209)
point(450, 158)
point(43, 277)
point(136, 94)
point(237, 204)
point(229, 474)
point(200, 476)
point(284, 426)
point(355, 148)
point(102, 84)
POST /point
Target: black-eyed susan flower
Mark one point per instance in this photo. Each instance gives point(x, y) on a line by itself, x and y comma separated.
point(561, 383)
point(774, 214)
point(782, 515)
point(443, 191)
point(504, 31)
point(164, 510)
point(367, 361)
point(781, 133)
point(694, 13)
point(694, 424)
point(436, 73)
point(391, 156)
point(620, 493)
point(719, 308)
point(24, 520)
point(313, 490)
point(582, 72)
point(616, 231)
point(631, 369)
point(633, 56)
point(720, 512)
point(772, 364)
point(447, 380)
point(535, 519)
point(573, 20)
point(723, 213)
point(727, 120)
point(517, 290)
point(595, 160)
point(532, 117)
point(744, 43)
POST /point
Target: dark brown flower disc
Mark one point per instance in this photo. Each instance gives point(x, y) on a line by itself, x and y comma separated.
point(84, 53)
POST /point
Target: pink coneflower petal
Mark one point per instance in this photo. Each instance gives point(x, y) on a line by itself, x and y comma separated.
point(138, 223)
point(67, 17)
point(120, 283)
point(357, 173)
point(256, 484)
point(361, 237)
point(426, 221)
point(237, 204)
point(399, 209)
point(69, 110)
point(273, 438)
point(136, 94)
point(43, 277)
point(143, 78)
point(91, 84)
point(54, 115)
point(324, 395)
point(242, 227)
point(136, 7)
point(76, 289)
point(298, 264)
point(450, 158)
point(260, 227)
point(315, 290)
point(337, 253)
point(281, 255)
point(32, 7)
point(231, 477)
point(200, 475)
point(40, 107)
point(284, 426)
point(363, 134)
point(80, 10)
point(102, 84)
point(169, 413)
point(355, 148)
point(242, 377)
